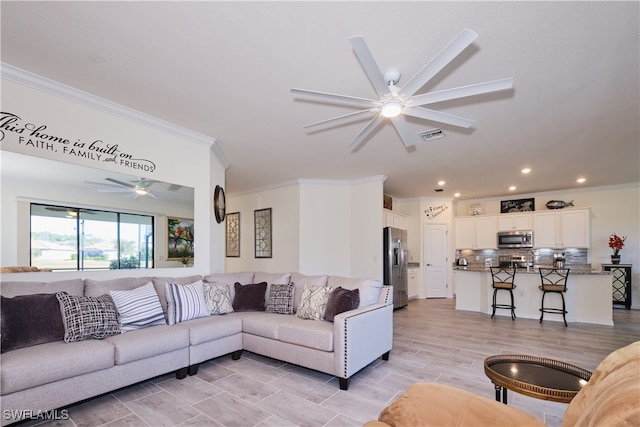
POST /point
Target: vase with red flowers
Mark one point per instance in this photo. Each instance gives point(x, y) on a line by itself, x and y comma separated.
point(616, 243)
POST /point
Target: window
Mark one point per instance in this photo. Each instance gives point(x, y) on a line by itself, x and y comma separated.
point(68, 238)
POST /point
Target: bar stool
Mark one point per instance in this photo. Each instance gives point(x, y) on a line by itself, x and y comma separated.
point(503, 278)
point(554, 280)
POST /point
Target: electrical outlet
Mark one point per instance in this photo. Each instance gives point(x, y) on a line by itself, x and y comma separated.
point(477, 257)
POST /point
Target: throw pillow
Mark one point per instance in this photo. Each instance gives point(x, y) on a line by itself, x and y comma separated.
point(88, 317)
point(249, 297)
point(218, 297)
point(280, 299)
point(185, 302)
point(138, 308)
point(341, 300)
point(313, 302)
point(30, 320)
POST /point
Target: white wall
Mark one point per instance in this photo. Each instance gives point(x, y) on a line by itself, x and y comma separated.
point(179, 156)
point(319, 227)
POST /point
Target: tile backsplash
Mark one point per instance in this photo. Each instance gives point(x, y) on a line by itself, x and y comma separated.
point(573, 257)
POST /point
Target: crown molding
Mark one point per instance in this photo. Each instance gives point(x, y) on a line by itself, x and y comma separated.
point(42, 84)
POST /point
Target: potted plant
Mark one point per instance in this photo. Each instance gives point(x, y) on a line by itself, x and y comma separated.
point(616, 243)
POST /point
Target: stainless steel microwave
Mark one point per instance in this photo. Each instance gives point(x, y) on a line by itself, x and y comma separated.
point(515, 239)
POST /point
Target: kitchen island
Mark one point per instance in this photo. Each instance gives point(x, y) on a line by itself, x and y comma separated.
point(588, 297)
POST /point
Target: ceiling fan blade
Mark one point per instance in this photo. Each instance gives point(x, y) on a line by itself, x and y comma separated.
point(102, 184)
point(363, 102)
point(124, 184)
point(369, 65)
point(438, 116)
point(461, 92)
point(365, 132)
point(406, 135)
point(114, 190)
point(446, 55)
point(342, 119)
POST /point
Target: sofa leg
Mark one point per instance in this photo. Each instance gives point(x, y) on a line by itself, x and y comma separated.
point(193, 369)
point(344, 383)
point(182, 373)
point(386, 356)
point(236, 355)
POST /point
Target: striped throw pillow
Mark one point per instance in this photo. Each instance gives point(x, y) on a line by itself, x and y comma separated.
point(138, 308)
point(185, 302)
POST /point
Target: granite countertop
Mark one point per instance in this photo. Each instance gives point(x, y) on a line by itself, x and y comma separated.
point(578, 270)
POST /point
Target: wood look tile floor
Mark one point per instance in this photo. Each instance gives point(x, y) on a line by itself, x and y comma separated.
point(432, 342)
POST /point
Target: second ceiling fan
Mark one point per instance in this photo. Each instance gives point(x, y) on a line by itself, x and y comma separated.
point(394, 103)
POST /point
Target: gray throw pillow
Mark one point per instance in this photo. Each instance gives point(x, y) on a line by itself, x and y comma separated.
point(280, 299)
point(88, 317)
point(29, 320)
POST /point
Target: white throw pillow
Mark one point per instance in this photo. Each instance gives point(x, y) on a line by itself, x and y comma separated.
point(313, 302)
point(185, 302)
point(218, 297)
point(138, 308)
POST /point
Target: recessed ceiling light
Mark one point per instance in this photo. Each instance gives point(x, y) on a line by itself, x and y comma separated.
point(512, 188)
point(526, 170)
point(581, 180)
point(456, 194)
point(441, 182)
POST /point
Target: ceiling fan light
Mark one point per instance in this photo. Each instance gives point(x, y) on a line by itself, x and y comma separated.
point(141, 191)
point(391, 109)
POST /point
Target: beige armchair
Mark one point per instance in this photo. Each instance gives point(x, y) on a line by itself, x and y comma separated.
point(610, 398)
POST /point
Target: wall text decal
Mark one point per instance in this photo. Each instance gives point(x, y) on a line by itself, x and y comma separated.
point(434, 211)
point(38, 137)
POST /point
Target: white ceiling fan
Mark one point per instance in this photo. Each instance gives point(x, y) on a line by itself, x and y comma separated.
point(136, 188)
point(394, 103)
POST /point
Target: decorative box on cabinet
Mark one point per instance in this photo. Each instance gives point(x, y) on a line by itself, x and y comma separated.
point(620, 283)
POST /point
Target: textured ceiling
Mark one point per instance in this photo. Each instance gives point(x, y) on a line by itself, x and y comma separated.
point(225, 69)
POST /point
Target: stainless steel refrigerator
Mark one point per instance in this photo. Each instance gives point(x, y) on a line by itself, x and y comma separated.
point(395, 264)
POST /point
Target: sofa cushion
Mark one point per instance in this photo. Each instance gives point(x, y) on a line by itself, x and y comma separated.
point(45, 363)
point(218, 298)
point(249, 297)
point(138, 308)
point(148, 342)
point(95, 288)
point(206, 329)
point(88, 317)
point(261, 276)
point(261, 323)
point(313, 302)
point(280, 299)
point(30, 320)
point(299, 280)
point(318, 335)
point(341, 300)
point(369, 288)
point(185, 302)
point(12, 288)
point(611, 397)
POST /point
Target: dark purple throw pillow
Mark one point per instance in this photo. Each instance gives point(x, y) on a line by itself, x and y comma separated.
point(341, 300)
point(249, 297)
point(30, 320)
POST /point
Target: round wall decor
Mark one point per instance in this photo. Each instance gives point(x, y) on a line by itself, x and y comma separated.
point(219, 204)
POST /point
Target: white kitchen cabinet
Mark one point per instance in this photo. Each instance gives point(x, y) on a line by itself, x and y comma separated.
point(509, 222)
point(476, 232)
point(575, 226)
point(414, 282)
point(395, 220)
point(562, 229)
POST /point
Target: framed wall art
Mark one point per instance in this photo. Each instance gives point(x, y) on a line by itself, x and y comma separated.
point(233, 235)
point(520, 205)
point(179, 238)
point(262, 229)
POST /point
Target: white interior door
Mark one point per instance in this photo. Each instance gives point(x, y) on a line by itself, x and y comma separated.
point(435, 260)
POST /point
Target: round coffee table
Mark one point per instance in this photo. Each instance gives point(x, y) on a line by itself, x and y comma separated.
point(538, 377)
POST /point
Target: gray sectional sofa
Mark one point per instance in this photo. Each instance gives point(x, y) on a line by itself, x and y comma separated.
point(50, 375)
